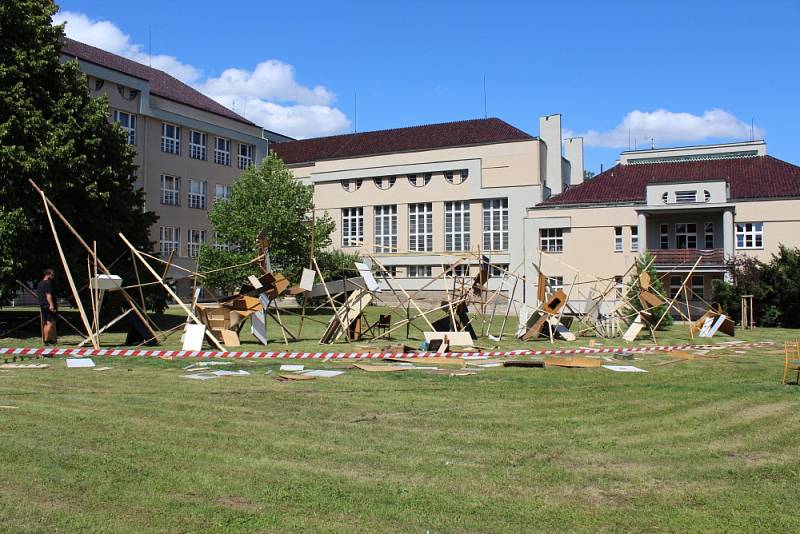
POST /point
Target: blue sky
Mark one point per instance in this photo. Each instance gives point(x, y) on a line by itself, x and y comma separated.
point(681, 72)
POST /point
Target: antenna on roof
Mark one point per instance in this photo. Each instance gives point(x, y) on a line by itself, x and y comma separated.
point(652, 143)
point(355, 112)
point(149, 46)
point(629, 139)
point(484, 97)
point(752, 130)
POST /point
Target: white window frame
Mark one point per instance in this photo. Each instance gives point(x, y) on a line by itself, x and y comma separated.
point(500, 269)
point(420, 227)
point(687, 234)
point(171, 144)
point(618, 235)
point(127, 121)
point(352, 227)
point(750, 235)
point(245, 158)
point(634, 238)
point(170, 190)
point(194, 240)
point(222, 191)
point(385, 228)
point(197, 150)
point(495, 224)
point(222, 152)
point(555, 283)
point(221, 244)
point(419, 271)
point(197, 194)
point(551, 239)
point(169, 239)
point(456, 225)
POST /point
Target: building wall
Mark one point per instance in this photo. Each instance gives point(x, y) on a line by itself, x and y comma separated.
point(781, 219)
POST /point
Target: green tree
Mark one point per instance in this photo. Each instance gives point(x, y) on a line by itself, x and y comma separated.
point(645, 263)
point(54, 132)
point(264, 198)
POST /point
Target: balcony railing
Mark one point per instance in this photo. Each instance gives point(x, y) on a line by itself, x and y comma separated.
point(684, 256)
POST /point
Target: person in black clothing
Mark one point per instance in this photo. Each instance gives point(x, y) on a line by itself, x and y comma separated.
point(47, 305)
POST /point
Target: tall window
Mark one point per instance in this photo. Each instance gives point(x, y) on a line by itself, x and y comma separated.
point(245, 155)
point(127, 121)
point(197, 145)
point(698, 286)
point(674, 286)
point(663, 236)
point(708, 230)
point(195, 239)
point(170, 138)
point(220, 243)
point(495, 224)
point(551, 239)
point(619, 286)
point(685, 235)
point(499, 269)
point(420, 227)
point(419, 271)
point(456, 225)
point(197, 194)
point(170, 190)
point(386, 228)
point(352, 227)
point(222, 151)
point(555, 283)
point(749, 235)
point(221, 191)
point(617, 239)
point(169, 239)
point(634, 238)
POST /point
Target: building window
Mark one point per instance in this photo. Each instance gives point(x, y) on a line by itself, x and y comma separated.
point(222, 151)
point(456, 225)
point(197, 194)
point(456, 177)
point(169, 239)
point(351, 186)
point(707, 196)
point(619, 286)
point(384, 182)
point(551, 239)
point(555, 283)
point(419, 271)
point(170, 190)
point(685, 235)
point(197, 145)
point(674, 285)
point(708, 230)
point(495, 224)
point(245, 155)
point(195, 239)
point(352, 227)
point(698, 287)
point(419, 180)
point(634, 238)
point(685, 197)
point(170, 138)
point(386, 228)
point(222, 191)
point(221, 244)
point(749, 235)
point(127, 121)
point(420, 227)
point(499, 269)
point(390, 270)
point(458, 270)
point(664, 236)
point(617, 239)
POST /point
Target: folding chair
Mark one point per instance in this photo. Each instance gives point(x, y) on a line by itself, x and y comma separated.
point(792, 364)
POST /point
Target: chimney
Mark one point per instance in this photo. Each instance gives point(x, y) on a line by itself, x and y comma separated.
point(573, 152)
point(550, 135)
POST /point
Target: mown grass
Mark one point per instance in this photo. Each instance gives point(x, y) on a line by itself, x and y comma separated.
point(691, 446)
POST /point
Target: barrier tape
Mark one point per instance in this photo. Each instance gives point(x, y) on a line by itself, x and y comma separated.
point(42, 351)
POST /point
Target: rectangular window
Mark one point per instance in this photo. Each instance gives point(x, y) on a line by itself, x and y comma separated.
point(634, 238)
point(617, 239)
point(664, 236)
point(352, 227)
point(419, 271)
point(551, 239)
point(698, 287)
point(197, 194)
point(169, 239)
point(222, 151)
point(749, 235)
point(458, 270)
point(499, 269)
point(170, 190)
point(127, 121)
point(495, 224)
point(684, 197)
point(619, 286)
point(389, 270)
point(221, 244)
point(674, 285)
point(222, 191)
point(197, 145)
point(708, 230)
point(386, 228)
point(555, 283)
point(420, 227)
point(245, 155)
point(686, 235)
point(170, 138)
point(195, 239)
point(456, 225)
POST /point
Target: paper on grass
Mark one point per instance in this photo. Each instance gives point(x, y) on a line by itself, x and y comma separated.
point(80, 362)
point(323, 373)
point(624, 368)
point(240, 372)
point(200, 376)
point(292, 367)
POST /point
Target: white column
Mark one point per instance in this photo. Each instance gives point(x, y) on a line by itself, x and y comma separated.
point(642, 229)
point(727, 232)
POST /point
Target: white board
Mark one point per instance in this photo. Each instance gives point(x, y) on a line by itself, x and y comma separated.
point(255, 282)
point(258, 328)
point(193, 337)
point(307, 279)
point(707, 324)
point(713, 328)
point(561, 331)
point(107, 282)
point(624, 368)
point(456, 339)
point(79, 362)
point(369, 279)
point(323, 373)
point(292, 367)
point(634, 329)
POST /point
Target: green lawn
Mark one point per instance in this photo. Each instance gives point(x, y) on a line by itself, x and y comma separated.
point(691, 446)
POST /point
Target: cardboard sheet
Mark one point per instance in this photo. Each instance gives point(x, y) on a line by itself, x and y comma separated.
point(438, 360)
point(193, 337)
point(633, 330)
point(24, 366)
point(307, 280)
point(369, 279)
point(323, 373)
point(284, 378)
point(74, 363)
point(382, 368)
point(258, 328)
point(455, 339)
point(106, 282)
point(240, 372)
point(573, 361)
point(291, 367)
point(230, 338)
point(624, 368)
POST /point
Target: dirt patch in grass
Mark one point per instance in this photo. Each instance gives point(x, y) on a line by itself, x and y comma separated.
point(237, 503)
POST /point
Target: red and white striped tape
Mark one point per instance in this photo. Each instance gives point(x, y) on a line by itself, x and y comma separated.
point(6, 352)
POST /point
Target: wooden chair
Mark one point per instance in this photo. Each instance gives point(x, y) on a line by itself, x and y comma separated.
point(792, 364)
point(383, 324)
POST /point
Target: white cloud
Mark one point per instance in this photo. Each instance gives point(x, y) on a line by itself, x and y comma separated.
point(270, 95)
point(667, 127)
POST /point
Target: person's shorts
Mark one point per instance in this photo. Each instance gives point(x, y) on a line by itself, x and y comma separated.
point(49, 316)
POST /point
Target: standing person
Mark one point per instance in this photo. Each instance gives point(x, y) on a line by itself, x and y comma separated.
point(47, 305)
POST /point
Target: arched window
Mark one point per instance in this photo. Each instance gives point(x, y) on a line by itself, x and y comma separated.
point(351, 185)
point(384, 182)
point(419, 180)
point(457, 177)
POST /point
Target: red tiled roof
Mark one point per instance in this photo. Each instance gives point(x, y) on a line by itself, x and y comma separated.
point(447, 134)
point(749, 178)
point(161, 83)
